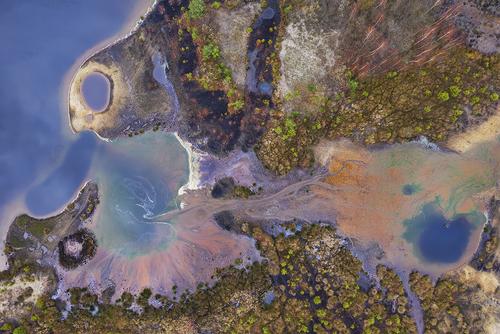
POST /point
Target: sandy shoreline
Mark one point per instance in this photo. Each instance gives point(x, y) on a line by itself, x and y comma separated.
point(194, 158)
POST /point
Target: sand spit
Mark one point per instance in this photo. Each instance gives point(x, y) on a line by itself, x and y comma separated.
point(195, 157)
point(143, 8)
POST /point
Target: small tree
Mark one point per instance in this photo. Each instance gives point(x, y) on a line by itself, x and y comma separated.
point(443, 96)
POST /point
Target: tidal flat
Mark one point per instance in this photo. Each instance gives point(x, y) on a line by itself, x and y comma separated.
point(140, 178)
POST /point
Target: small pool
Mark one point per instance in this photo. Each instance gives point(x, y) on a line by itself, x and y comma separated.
point(411, 189)
point(265, 88)
point(96, 91)
point(437, 239)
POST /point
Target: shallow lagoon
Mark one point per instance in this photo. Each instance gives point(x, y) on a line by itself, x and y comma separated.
point(138, 178)
point(424, 207)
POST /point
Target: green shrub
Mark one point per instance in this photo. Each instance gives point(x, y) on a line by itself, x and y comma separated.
point(238, 104)
point(392, 74)
point(353, 85)
point(475, 100)
point(291, 128)
point(210, 51)
point(20, 330)
point(196, 9)
point(6, 327)
point(455, 91)
point(443, 96)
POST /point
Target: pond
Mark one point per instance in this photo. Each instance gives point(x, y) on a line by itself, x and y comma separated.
point(96, 91)
point(437, 239)
point(410, 189)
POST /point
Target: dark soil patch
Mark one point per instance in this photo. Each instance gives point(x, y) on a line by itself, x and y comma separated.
point(88, 243)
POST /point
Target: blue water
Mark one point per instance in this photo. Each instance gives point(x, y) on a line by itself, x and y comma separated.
point(265, 88)
point(55, 190)
point(437, 239)
point(41, 39)
point(44, 164)
point(95, 90)
point(410, 189)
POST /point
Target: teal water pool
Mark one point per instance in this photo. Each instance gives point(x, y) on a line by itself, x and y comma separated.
point(138, 178)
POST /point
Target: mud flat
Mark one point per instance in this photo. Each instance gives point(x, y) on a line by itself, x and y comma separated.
point(364, 195)
point(368, 195)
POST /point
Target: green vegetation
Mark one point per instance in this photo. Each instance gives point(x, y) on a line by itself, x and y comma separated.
point(353, 84)
point(395, 106)
point(196, 9)
point(316, 288)
point(6, 327)
point(455, 91)
point(448, 306)
point(20, 330)
point(212, 73)
point(238, 104)
point(443, 96)
point(242, 192)
point(291, 129)
point(210, 51)
point(37, 228)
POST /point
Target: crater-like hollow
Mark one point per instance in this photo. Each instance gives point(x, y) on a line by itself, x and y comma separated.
point(96, 91)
